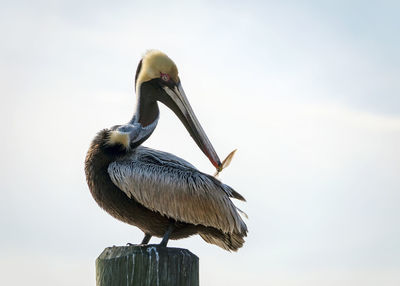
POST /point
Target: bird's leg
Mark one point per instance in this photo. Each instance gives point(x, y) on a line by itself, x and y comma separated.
point(146, 238)
point(165, 239)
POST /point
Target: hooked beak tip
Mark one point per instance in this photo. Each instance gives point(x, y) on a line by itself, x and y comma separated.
point(217, 164)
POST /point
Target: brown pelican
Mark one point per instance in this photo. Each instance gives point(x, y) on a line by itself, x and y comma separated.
point(160, 193)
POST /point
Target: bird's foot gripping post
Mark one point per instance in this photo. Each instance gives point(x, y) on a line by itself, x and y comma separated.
point(147, 265)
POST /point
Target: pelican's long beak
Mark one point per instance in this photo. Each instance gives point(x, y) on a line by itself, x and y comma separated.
point(178, 102)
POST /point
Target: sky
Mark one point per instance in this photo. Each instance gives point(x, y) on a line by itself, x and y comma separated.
point(307, 91)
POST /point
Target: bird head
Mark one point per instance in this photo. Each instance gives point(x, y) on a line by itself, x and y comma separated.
point(156, 65)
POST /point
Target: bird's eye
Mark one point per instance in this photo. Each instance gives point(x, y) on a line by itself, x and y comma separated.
point(164, 76)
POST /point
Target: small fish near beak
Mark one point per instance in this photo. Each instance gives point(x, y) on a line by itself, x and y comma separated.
point(179, 104)
point(227, 161)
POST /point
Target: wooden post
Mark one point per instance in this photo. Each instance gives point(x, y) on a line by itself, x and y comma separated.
point(147, 265)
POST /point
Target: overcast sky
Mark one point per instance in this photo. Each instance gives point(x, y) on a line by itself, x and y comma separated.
point(308, 91)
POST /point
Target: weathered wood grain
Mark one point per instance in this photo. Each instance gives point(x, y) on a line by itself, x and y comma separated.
point(147, 265)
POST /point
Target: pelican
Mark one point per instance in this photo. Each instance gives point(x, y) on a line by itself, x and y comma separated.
point(158, 192)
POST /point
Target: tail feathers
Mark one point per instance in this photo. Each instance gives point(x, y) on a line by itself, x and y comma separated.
point(242, 212)
point(227, 241)
point(237, 196)
point(232, 193)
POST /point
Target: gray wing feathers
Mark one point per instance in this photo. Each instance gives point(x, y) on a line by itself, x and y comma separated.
point(171, 186)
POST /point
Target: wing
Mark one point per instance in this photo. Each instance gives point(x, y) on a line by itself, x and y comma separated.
point(171, 186)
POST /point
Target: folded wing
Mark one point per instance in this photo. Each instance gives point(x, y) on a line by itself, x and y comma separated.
point(167, 184)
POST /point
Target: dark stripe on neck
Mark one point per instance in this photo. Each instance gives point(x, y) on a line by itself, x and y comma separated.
point(138, 69)
point(148, 111)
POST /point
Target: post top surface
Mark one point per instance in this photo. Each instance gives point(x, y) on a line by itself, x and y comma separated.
point(149, 249)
